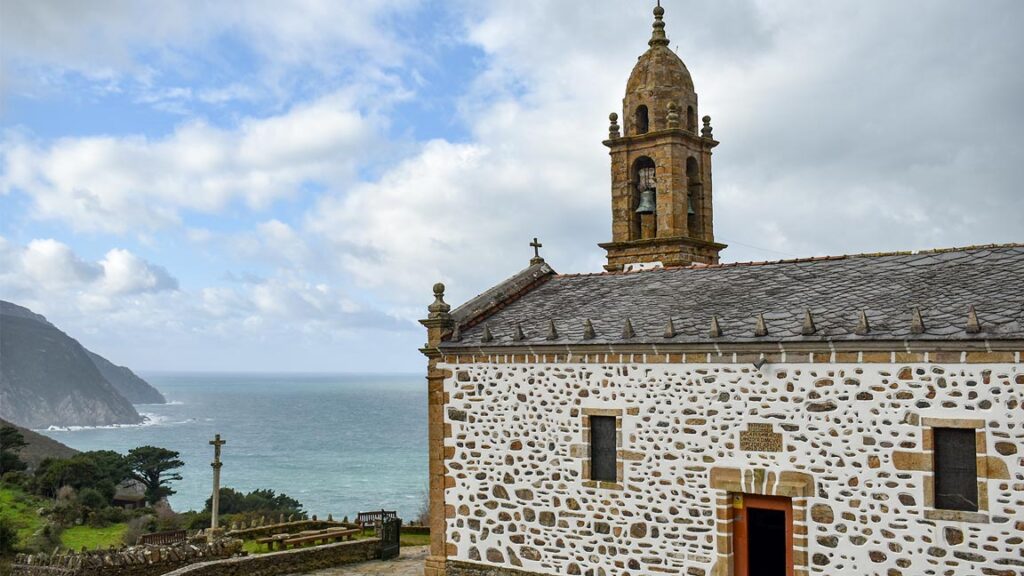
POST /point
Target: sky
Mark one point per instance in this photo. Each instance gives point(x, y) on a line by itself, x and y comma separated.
point(275, 186)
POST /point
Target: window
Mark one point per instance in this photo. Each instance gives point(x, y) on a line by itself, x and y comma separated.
point(602, 449)
point(642, 122)
point(956, 469)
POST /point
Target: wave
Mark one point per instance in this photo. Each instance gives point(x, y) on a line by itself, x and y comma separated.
point(148, 419)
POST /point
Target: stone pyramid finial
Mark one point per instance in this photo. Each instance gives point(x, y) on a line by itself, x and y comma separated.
point(487, 336)
point(552, 331)
point(456, 334)
point(588, 330)
point(716, 330)
point(658, 37)
point(439, 308)
point(760, 328)
point(863, 326)
point(706, 131)
point(673, 115)
point(613, 126)
point(808, 327)
point(670, 329)
point(627, 330)
point(973, 326)
point(916, 321)
point(517, 334)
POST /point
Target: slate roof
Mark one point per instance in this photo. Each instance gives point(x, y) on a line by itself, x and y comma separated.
point(941, 284)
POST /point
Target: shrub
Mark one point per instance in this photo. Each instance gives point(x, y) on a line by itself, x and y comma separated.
point(91, 498)
point(45, 540)
point(8, 537)
point(106, 516)
point(137, 527)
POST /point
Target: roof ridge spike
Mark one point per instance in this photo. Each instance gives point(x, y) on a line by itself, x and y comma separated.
point(552, 331)
point(487, 336)
point(518, 334)
point(808, 327)
point(670, 329)
point(588, 330)
point(456, 333)
point(760, 328)
point(627, 330)
point(716, 330)
point(863, 326)
point(973, 325)
point(916, 321)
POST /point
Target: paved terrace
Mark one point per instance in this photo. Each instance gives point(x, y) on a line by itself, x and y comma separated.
point(410, 563)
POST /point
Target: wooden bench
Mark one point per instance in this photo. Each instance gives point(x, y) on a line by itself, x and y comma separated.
point(365, 519)
point(322, 536)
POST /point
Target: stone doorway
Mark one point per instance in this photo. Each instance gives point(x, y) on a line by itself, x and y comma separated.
point(763, 535)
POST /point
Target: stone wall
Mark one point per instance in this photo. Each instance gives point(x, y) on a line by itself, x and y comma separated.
point(294, 561)
point(133, 561)
point(849, 443)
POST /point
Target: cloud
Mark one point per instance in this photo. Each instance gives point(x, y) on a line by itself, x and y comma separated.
point(108, 39)
point(47, 268)
point(136, 183)
point(844, 128)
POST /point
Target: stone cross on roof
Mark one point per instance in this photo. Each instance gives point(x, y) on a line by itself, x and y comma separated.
point(536, 245)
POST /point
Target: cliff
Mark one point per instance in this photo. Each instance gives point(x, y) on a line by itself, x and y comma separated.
point(126, 382)
point(48, 379)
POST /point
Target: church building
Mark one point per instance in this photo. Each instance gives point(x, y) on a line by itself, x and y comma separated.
point(845, 415)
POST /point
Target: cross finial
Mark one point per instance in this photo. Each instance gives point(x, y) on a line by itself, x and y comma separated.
point(536, 245)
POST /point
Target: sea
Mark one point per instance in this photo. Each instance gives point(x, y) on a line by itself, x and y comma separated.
point(338, 443)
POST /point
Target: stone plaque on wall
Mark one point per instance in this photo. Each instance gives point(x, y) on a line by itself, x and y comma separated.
point(760, 438)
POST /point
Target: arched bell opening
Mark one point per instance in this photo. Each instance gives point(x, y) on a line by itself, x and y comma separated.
point(694, 197)
point(645, 199)
point(642, 120)
point(691, 119)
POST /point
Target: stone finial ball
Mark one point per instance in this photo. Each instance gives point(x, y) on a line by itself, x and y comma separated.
point(438, 289)
point(659, 11)
point(707, 119)
point(613, 117)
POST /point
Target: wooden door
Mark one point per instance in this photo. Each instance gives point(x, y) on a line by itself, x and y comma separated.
point(763, 536)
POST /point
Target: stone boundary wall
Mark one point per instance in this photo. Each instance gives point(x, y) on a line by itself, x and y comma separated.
point(294, 561)
point(133, 561)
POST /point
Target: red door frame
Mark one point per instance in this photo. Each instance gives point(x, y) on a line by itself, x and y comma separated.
point(741, 536)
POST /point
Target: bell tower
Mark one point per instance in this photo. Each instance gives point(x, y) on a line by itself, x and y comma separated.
point(661, 166)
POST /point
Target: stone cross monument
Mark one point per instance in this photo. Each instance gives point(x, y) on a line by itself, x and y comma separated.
point(215, 504)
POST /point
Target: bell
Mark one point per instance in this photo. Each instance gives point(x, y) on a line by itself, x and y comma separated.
point(689, 206)
point(646, 205)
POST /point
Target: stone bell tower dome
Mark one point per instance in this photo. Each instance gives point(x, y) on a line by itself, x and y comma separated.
point(661, 166)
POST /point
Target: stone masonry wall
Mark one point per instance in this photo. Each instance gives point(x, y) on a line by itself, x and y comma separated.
point(858, 435)
point(133, 561)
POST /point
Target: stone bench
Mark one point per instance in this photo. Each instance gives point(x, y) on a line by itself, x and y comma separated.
point(323, 537)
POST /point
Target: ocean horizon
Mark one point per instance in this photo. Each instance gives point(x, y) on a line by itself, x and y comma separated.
point(338, 443)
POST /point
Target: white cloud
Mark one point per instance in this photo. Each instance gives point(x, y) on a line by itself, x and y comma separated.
point(46, 269)
point(107, 39)
point(134, 183)
point(839, 127)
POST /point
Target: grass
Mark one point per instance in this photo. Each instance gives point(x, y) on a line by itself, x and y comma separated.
point(21, 511)
point(76, 537)
point(414, 540)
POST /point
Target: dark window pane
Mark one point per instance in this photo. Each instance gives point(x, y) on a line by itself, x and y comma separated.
point(602, 448)
point(956, 469)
